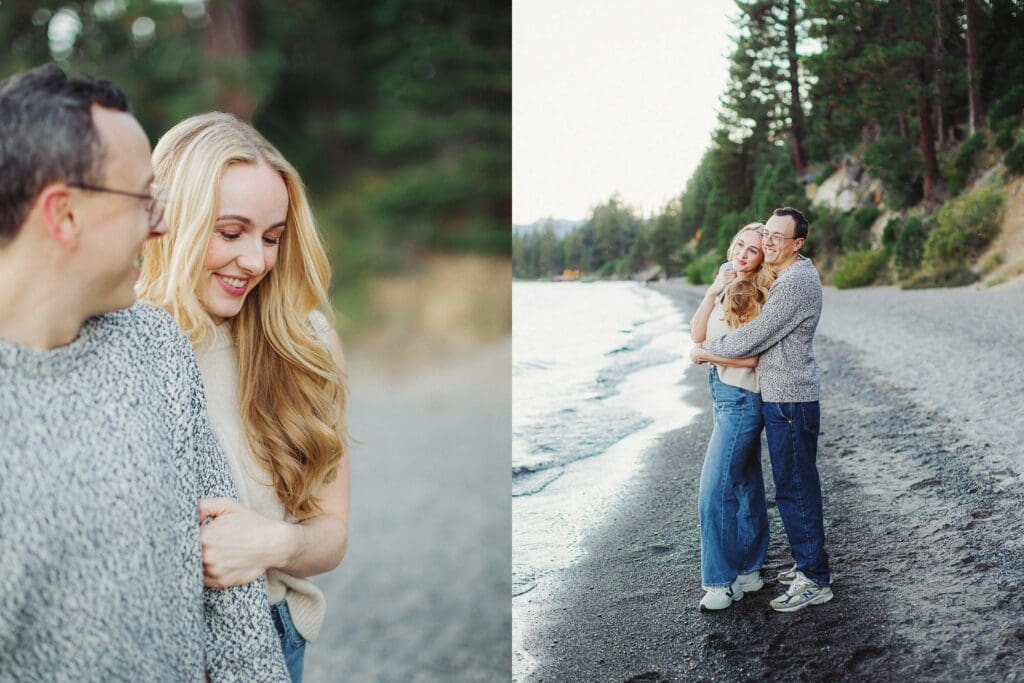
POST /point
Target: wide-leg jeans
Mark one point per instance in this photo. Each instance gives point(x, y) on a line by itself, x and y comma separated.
point(791, 430)
point(732, 509)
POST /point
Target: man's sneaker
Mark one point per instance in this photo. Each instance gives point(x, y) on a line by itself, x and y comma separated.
point(801, 593)
point(751, 582)
point(720, 597)
point(786, 577)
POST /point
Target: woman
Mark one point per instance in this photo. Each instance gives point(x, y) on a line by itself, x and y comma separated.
point(243, 272)
point(732, 508)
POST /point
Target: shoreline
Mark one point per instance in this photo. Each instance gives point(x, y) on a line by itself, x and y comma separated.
point(586, 493)
point(926, 546)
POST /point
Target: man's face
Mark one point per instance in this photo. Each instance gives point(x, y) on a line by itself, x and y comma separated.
point(112, 227)
point(779, 244)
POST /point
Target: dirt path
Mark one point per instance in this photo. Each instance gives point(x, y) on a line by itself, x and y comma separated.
point(927, 551)
point(422, 595)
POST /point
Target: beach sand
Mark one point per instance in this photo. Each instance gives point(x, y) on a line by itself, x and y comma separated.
point(423, 593)
point(923, 524)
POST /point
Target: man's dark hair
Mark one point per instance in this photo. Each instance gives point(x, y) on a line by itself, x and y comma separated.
point(47, 135)
point(798, 219)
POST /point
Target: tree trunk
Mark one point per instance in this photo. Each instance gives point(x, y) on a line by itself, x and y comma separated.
point(937, 59)
point(973, 83)
point(926, 135)
point(927, 142)
point(229, 46)
point(796, 111)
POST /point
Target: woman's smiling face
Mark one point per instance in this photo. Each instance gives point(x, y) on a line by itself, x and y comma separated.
point(246, 237)
point(747, 255)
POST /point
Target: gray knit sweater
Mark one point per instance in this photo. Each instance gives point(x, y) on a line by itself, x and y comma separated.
point(783, 336)
point(105, 450)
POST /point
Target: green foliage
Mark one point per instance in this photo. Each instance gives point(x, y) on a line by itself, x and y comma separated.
point(908, 249)
point(1005, 135)
point(1009, 107)
point(1001, 37)
point(825, 173)
point(892, 161)
point(856, 232)
point(863, 90)
point(891, 232)
point(954, 275)
point(727, 229)
point(703, 270)
point(693, 204)
point(859, 269)
point(825, 234)
point(613, 241)
point(1014, 159)
point(964, 162)
point(683, 257)
point(775, 185)
point(662, 238)
point(397, 113)
point(990, 262)
point(964, 227)
point(608, 269)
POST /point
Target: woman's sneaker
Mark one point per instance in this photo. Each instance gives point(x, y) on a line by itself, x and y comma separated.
point(801, 593)
point(751, 582)
point(786, 577)
point(720, 597)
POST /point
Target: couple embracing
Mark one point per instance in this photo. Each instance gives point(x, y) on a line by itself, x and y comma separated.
point(756, 327)
point(142, 536)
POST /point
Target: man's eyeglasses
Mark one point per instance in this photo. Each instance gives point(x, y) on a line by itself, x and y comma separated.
point(771, 237)
point(155, 202)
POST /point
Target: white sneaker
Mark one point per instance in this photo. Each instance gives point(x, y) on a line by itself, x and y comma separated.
point(786, 577)
point(720, 597)
point(801, 593)
point(751, 582)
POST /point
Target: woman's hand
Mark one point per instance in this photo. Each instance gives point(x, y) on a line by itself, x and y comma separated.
point(239, 545)
point(695, 354)
point(724, 277)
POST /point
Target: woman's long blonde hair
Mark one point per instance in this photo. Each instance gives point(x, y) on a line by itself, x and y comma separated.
point(744, 298)
point(291, 393)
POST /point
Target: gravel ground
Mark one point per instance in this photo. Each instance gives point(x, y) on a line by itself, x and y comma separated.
point(423, 593)
point(919, 457)
point(959, 352)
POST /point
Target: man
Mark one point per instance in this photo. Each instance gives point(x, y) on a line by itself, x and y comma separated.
point(782, 335)
point(105, 448)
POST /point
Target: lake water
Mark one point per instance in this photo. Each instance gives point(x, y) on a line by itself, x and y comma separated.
point(596, 369)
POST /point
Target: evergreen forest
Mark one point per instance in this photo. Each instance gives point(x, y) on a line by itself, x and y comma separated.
point(917, 103)
point(397, 113)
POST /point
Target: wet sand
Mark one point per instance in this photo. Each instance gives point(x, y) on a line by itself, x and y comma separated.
point(923, 526)
point(423, 593)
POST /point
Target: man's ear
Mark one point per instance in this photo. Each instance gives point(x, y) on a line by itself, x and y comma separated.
point(54, 206)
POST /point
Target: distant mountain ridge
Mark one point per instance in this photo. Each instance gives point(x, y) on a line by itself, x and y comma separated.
point(560, 226)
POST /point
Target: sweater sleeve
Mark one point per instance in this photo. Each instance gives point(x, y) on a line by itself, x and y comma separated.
point(780, 315)
point(240, 641)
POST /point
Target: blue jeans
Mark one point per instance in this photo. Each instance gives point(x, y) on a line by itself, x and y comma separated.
point(292, 643)
point(731, 506)
point(792, 433)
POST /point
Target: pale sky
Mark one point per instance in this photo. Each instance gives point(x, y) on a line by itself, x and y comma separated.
point(612, 96)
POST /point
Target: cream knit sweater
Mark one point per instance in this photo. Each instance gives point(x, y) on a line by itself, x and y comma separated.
point(745, 378)
point(218, 364)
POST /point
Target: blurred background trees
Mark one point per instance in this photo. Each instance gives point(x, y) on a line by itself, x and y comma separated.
point(397, 113)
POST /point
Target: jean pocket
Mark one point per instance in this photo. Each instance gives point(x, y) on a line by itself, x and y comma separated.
point(290, 632)
point(783, 411)
point(810, 415)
